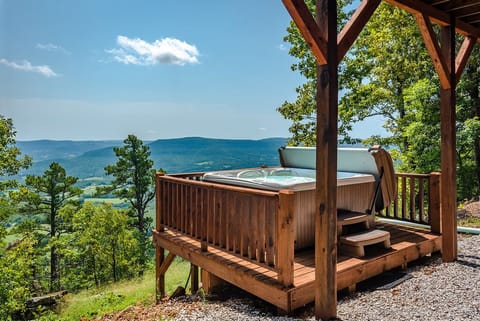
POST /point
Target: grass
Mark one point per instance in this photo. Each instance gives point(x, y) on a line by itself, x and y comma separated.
point(118, 296)
point(110, 200)
point(469, 221)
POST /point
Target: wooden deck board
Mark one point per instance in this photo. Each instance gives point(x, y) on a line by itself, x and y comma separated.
point(408, 244)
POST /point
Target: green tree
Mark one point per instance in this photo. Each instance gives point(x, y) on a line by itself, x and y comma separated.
point(133, 181)
point(16, 276)
point(389, 74)
point(101, 247)
point(16, 259)
point(43, 196)
point(381, 64)
point(10, 164)
point(468, 117)
point(421, 132)
point(302, 112)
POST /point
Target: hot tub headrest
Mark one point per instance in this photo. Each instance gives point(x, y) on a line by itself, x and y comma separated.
point(374, 161)
point(356, 160)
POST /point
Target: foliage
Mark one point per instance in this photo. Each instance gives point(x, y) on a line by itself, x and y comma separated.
point(381, 66)
point(302, 112)
point(389, 74)
point(15, 260)
point(101, 247)
point(41, 198)
point(134, 181)
point(10, 164)
point(16, 277)
point(422, 128)
point(468, 123)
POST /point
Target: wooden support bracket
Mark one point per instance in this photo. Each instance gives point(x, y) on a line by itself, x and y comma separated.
point(431, 42)
point(308, 28)
point(166, 263)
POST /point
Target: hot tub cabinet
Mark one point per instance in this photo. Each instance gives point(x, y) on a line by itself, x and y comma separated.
point(260, 239)
point(354, 192)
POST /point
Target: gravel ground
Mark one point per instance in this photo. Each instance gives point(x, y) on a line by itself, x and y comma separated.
point(431, 290)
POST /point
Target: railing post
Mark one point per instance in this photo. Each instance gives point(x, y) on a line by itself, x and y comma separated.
point(158, 203)
point(285, 237)
point(434, 202)
point(204, 215)
point(159, 252)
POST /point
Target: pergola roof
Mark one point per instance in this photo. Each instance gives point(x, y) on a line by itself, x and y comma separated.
point(329, 47)
point(465, 12)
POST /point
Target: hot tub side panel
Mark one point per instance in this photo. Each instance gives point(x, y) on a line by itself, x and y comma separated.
point(355, 197)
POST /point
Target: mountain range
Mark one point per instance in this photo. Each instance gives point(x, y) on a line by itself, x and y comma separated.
point(87, 159)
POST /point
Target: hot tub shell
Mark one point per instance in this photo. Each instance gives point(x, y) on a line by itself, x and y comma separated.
point(356, 181)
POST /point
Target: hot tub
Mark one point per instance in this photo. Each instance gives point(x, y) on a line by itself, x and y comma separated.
point(354, 192)
point(278, 178)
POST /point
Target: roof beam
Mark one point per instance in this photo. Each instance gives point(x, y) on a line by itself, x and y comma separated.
point(434, 50)
point(308, 28)
point(436, 16)
point(355, 25)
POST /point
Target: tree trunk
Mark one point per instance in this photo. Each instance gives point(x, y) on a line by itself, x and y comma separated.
point(95, 277)
point(53, 252)
point(476, 146)
point(141, 230)
point(114, 263)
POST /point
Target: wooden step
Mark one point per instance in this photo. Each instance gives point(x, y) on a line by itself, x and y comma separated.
point(345, 217)
point(354, 244)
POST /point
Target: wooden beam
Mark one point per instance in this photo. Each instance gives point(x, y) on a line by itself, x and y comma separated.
point(308, 28)
point(194, 280)
point(326, 168)
point(437, 16)
point(285, 237)
point(159, 278)
point(434, 202)
point(433, 48)
point(462, 56)
point(354, 26)
point(166, 264)
point(448, 151)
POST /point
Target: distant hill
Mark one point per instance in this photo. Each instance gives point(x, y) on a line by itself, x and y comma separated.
point(86, 159)
point(55, 149)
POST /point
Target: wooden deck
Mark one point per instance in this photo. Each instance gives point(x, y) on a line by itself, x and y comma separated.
point(408, 244)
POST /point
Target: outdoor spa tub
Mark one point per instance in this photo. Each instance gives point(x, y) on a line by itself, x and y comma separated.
point(356, 180)
point(278, 178)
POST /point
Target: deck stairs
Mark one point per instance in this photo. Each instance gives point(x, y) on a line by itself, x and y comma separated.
point(355, 233)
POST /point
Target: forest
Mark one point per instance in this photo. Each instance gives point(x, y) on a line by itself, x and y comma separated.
point(52, 238)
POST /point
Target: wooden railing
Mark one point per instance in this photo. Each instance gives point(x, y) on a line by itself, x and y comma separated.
point(418, 200)
point(253, 224)
point(258, 225)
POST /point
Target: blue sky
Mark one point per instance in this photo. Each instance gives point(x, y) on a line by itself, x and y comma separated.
point(158, 69)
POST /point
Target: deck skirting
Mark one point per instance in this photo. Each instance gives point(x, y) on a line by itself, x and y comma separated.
point(408, 244)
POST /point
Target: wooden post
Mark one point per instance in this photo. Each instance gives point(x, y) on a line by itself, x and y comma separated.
point(160, 278)
point(194, 278)
point(285, 237)
point(326, 166)
point(158, 203)
point(204, 214)
point(434, 202)
point(448, 148)
point(210, 281)
point(159, 251)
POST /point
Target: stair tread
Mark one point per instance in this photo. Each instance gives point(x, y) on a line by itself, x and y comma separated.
point(349, 217)
point(365, 238)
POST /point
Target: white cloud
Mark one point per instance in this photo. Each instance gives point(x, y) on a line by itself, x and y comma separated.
point(27, 66)
point(282, 47)
point(53, 48)
point(164, 51)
